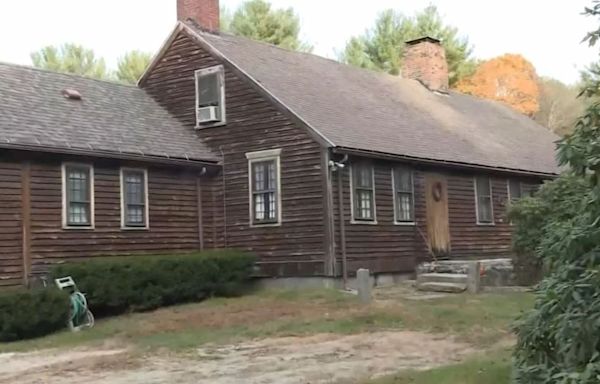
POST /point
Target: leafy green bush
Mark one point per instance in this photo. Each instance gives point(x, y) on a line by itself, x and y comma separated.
point(559, 340)
point(534, 219)
point(138, 283)
point(26, 314)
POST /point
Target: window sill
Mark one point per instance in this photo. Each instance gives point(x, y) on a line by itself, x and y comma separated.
point(199, 127)
point(259, 225)
point(366, 222)
point(78, 227)
point(146, 228)
point(486, 224)
point(405, 223)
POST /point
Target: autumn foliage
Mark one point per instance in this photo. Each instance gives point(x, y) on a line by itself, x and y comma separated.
point(509, 78)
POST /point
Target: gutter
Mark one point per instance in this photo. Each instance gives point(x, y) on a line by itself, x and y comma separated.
point(451, 164)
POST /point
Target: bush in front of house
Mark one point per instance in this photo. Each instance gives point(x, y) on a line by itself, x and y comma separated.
point(32, 313)
point(139, 283)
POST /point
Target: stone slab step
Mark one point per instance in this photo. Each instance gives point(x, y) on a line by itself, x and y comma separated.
point(442, 287)
point(460, 278)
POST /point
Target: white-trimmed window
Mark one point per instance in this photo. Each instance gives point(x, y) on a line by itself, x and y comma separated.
point(264, 179)
point(483, 200)
point(404, 200)
point(134, 198)
point(78, 196)
point(515, 190)
point(363, 192)
point(210, 96)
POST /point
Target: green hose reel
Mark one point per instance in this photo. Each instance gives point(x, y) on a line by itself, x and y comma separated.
point(81, 317)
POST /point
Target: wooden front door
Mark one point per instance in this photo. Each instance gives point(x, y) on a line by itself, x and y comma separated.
point(436, 203)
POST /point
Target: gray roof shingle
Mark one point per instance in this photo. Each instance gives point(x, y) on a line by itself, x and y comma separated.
point(110, 117)
point(367, 110)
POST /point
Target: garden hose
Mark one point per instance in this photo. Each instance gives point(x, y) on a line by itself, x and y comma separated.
point(80, 314)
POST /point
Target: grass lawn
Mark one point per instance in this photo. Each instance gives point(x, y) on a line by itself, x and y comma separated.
point(481, 320)
point(492, 368)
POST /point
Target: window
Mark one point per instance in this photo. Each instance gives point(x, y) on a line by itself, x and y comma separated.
point(134, 198)
point(514, 190)
point(363, 191)
point(210, 96)
point(265, 187)
point(402, 179)
point(78, 196)
point(483, 196)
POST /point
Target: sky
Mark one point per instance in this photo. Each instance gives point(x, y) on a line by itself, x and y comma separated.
point(546, 32)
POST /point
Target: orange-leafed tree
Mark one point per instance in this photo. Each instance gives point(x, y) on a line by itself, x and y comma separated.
point(508, 78)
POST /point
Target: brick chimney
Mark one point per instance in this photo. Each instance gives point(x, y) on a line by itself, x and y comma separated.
point(204, 12)
point(425, 60)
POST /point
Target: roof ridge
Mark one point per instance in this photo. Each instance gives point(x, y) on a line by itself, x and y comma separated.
point(66, 74)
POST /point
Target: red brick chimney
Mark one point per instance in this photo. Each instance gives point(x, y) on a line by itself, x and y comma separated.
point(204, 12)
point(425, 60)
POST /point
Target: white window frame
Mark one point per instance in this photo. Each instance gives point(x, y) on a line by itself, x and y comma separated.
point(259, 156)
point(220, 70)
point(493, 222)
point(146, 225)
point(510, 197)
point(412, 181)
point(65, 221)
point(353, 220)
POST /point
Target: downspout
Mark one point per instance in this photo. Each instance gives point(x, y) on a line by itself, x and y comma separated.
point(199, 208)
point(224, 199)
point(339, 167)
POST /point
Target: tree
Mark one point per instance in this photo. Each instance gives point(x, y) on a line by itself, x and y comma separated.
point(558, 340)
point(256, 20)
point(509, 78)
point(132, 65)
point(559, 106)
point(70, 58)
point(382, 46)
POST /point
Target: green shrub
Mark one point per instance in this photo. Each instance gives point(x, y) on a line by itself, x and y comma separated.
point(139, 283)
point(26, 314)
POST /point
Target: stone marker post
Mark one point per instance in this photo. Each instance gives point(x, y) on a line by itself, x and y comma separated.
point(474, 277)
point(363, 285)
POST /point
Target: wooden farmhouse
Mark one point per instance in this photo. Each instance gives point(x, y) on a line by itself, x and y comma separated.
point(315, 166)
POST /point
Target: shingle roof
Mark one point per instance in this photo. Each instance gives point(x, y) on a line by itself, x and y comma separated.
point(365, 110)
point(110, 117)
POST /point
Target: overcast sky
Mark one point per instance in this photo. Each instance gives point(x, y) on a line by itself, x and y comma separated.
point(547, 32)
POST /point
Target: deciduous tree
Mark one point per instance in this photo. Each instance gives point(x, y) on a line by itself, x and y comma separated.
point(256, 20)
point(382, 46)
point(70, 58)
point(559, 106)
point(509, 78)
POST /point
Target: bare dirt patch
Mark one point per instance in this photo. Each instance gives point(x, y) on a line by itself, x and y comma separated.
point(323, 358)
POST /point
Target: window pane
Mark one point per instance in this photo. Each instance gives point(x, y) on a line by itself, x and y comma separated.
point(483, 186)
point(208, 90)
point(78, 195)
point(134, 186)
point(514, 190)
point(363, 175)
point(135, 215)
point(403, 180)
point(365, 204)
point(404, 204)
point(78, 184)
point(485, 210)
point(79, 214)
point(264, 191)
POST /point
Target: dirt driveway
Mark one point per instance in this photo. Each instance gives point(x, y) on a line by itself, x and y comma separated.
point(324, 358)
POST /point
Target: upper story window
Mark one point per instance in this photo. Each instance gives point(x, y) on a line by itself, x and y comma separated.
point(363, 192)
point(78, 195)
point(210, 96)
point(483, 200)
point(264, 176)
point(515, 190)
point(134, 198)
point(404, 201)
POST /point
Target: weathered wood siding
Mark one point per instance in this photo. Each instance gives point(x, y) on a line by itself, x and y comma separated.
point(386, 247)
point(253, 124)
point(11, 251)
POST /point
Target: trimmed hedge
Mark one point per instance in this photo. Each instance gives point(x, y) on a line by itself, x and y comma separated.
point(32, 313)
point(139, 283)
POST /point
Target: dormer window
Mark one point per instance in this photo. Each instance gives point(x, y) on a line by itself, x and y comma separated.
point(210, 96)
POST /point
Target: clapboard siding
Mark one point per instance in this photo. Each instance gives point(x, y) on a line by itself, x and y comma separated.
point(253, 124)
point(173, 216)
point(11, 251)
point(386, 247)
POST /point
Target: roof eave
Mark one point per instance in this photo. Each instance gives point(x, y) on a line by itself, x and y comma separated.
point(438, 162)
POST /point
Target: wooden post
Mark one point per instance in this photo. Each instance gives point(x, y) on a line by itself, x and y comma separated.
point(473, 277)
point(199, 212)
point(340, 174)
point(26, 220)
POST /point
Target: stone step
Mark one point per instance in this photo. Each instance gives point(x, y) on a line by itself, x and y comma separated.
point(442, 287)
point(460, 278)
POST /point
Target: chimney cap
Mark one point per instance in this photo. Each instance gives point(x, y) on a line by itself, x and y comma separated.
point(422, 39)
